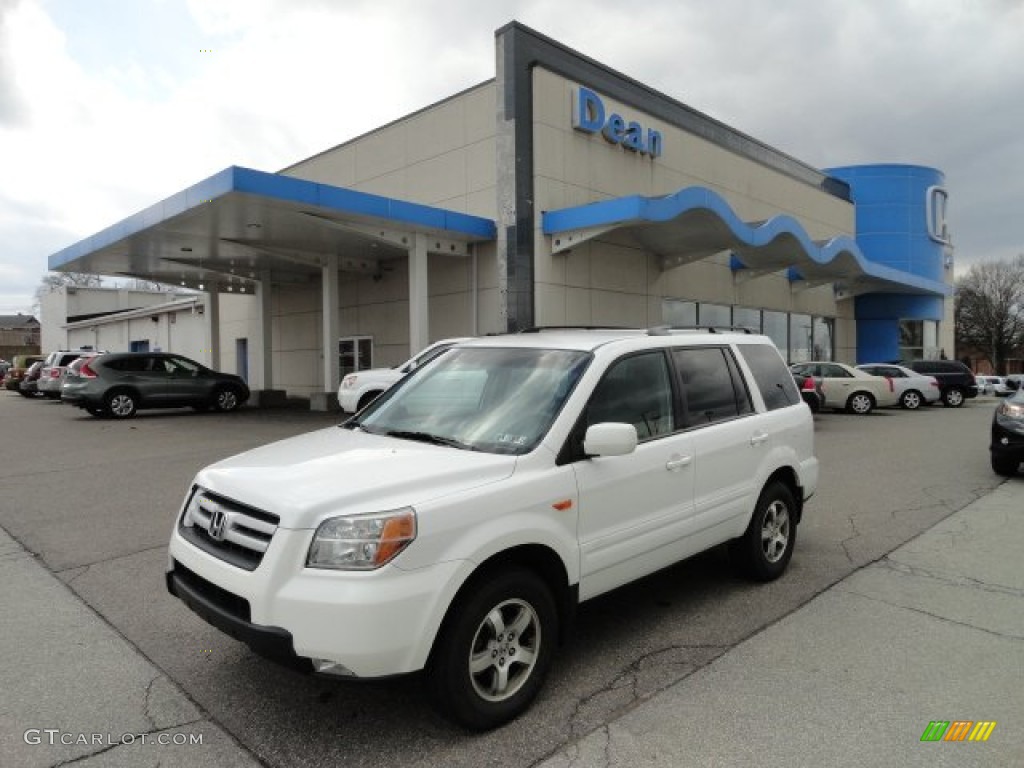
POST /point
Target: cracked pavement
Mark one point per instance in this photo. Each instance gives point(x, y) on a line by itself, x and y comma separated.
point(98, 520)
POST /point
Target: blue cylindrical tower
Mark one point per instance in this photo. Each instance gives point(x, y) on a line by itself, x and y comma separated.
point(900, 223)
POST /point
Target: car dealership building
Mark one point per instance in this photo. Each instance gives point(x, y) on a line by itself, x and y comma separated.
point(560, 192)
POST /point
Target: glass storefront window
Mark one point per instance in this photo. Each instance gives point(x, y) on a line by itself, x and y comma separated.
point(742, 317)
point(911, 340)
point(678, 313)
point(776, 328)
point(714, 314)
point(801, 340)
point(824, 338)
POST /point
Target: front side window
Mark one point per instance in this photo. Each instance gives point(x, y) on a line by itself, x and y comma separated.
point(496, 400)
point(636, 390)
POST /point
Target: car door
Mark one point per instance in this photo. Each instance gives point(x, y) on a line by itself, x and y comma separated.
point(633, 509)
point(188, 383)
point(730, 441)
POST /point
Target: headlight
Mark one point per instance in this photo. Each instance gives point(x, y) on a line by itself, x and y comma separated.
point(362, 542)
point(1010, 410)
point(349, 381)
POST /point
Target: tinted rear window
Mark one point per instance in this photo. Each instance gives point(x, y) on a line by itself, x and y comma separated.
point(771, 375)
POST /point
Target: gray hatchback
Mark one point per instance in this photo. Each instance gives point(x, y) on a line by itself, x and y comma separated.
point(120, 384)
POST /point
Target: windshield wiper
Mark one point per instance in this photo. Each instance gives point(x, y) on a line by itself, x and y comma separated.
point(426, 437)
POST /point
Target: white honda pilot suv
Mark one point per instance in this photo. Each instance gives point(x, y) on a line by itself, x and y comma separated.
point(454, 524)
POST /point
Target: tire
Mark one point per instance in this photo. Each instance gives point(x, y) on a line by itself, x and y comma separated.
point(953, 398)
point(860, 403)
point(366, 399)
point(225, 399)
point(764, 551)
point(23, 393)
point(1004, 466)
point(480, 675)
point(911, 400)
point(121, 404)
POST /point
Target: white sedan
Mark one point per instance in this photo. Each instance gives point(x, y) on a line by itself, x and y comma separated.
point(359, 389)
point(847, 387)
point(913, 389)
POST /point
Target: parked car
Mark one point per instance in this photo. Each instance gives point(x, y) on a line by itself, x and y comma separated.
point(361, 388)
point(1007, 444)
point(19, 366)
point(956, 382)
point(29, 385)
point(52, 376)
point(119, 384)
point(993, 385)
point(848, 388)
point(1015, 381)
point(811, 391)
point(913, 389)
point(455, 532)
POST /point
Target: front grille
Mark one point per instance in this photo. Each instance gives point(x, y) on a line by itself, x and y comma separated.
point(220, 597)
point(231, 531)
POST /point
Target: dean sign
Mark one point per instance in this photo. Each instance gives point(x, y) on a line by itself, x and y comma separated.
point(589, 116)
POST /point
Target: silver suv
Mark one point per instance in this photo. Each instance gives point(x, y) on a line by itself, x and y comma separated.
point(51, 378)
point(455, 523)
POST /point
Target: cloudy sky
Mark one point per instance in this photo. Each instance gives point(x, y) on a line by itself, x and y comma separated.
point(108, 106)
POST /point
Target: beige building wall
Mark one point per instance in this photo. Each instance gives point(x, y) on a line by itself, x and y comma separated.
point(442, 156)
point(613, 279)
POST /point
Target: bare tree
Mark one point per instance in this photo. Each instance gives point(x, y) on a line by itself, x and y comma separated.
point(81, 279)
point(990, 309)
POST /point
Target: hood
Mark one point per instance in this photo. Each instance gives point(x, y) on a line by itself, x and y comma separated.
point(337, 471)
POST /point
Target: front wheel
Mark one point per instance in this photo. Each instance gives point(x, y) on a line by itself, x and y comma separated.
point(860, 403)
point(911, 400)
point(953, 398)
point(226, 399)
point(1004, 466)
point(764, 551)
point(494, 649)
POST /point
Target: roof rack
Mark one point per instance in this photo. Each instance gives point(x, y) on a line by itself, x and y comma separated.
point(539, 328)
point(668, 330)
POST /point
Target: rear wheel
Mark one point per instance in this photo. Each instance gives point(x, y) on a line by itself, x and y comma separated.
point(911, 400)
point(493, 652)
point(764, 551)
point(121, 404)
point(953, 398)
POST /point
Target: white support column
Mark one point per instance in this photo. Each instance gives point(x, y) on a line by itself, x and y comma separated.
point(419, 307)
point(213, 325)
point(331, 322)
point(262, 374)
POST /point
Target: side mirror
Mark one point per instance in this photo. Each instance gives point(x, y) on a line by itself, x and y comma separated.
point(609, 439)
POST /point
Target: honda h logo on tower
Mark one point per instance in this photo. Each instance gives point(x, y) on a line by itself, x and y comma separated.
point(588, 116)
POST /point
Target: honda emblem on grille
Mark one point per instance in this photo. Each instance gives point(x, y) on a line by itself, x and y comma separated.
point(217, 523)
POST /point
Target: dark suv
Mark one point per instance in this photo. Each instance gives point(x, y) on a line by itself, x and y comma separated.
point(956, 382)
point(118, 385)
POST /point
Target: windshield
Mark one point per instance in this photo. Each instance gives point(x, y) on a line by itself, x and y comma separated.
point(496, 400)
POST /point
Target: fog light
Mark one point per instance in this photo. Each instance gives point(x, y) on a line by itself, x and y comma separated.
point(1004, 440)
point(328, 667)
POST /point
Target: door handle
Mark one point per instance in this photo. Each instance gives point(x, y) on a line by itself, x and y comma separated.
point(678, 462)
point(758, 438)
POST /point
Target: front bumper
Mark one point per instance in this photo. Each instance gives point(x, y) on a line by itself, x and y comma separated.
point(372, 623)
point(1006, 443)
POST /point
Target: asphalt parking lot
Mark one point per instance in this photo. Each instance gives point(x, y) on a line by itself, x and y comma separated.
point(95, 501)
